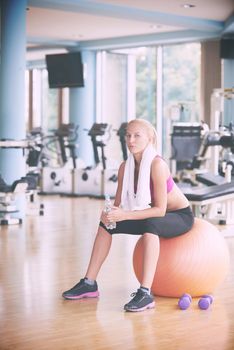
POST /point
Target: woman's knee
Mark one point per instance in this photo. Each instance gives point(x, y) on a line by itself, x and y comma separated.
point(102, 231)
point(147, 236)
point(151, 225)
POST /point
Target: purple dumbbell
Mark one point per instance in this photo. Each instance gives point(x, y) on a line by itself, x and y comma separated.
point(186, 295)
point(205, 301)
point(184, 301)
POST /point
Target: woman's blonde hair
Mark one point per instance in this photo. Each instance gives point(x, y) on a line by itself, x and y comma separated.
point(150, 128)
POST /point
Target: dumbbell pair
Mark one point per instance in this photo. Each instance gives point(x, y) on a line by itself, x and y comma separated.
point(204, 302)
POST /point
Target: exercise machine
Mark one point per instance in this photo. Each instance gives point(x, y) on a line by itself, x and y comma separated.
point(8, 194)
point(97, 180)
point(225, 171)
point(59, 160)
point(214, 203)
point(26, 186)
point(121, 132)
point(185, 142)
point(215, 200)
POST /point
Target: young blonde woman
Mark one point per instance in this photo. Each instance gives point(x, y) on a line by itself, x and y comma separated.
point(147, 203)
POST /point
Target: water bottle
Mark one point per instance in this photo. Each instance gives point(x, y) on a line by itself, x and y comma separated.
point(107, 209)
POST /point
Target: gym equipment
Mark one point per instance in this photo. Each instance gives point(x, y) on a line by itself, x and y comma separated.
point(197, 262)
point(22, 144)
point(224, 138)
point(185, 301)
point(7, 200)
point(205, 301)
point(34, 157)
point(97, 181)
point(215, 157)
point(219, 99)
point(121, 133)
point(214, 203)
point(27, 184)
point(185, 143)
point(59, 160)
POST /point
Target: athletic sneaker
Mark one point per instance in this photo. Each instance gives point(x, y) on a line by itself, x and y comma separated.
point(82, 290)
point(140, 302)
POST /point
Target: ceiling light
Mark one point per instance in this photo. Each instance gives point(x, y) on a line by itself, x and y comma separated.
point(188, 6)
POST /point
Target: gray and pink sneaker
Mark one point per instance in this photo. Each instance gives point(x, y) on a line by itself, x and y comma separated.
point(82, 290)
point(140, 302)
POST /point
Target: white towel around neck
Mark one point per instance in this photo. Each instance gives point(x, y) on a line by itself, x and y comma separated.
point(142, 198)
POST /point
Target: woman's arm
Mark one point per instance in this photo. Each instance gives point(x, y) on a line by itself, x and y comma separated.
point(120, 185)
point(104, 216)
point(159, 175)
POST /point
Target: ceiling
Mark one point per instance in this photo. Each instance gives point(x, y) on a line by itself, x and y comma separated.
point(97, 24)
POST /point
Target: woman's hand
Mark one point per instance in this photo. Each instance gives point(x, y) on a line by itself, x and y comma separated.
point(115, 215)
point(103, 218)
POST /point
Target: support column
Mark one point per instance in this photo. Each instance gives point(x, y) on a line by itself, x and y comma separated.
point(228, 83)
point(12, 86)
point(210, 76)
point(83, 106)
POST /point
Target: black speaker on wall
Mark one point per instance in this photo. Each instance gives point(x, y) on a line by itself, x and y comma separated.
point(65, 70)
point(227, 48)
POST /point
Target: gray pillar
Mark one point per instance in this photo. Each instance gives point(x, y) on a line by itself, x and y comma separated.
point(228, 82)
point(210, 76)
point(12, 86)
point(83, 106)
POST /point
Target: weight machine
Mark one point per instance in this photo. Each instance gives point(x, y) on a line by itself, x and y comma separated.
point(225, 140)
point(26, 185)
point(59, 160)
point(8, 194)
point(185, 142)
point(96, 180)
point(121, 132)
point(215, 201)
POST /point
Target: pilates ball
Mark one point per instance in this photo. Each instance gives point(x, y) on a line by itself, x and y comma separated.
point(184, 303)
point(204, 303)
point(187, 263)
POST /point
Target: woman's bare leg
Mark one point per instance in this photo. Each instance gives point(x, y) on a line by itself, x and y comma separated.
point(101, 248)
point(151, 249)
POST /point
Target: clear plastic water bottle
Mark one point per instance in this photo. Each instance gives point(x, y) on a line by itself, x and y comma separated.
point(107, 209)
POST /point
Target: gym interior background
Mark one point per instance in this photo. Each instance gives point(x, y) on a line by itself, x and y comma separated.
point(62, 140)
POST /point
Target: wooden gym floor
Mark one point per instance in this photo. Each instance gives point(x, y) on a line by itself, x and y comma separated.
point(48, 254)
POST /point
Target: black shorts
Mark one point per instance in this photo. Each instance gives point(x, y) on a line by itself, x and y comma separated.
point(174, 223)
